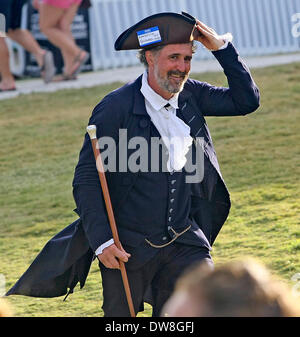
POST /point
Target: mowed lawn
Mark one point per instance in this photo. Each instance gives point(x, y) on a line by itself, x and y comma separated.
point(259, 155)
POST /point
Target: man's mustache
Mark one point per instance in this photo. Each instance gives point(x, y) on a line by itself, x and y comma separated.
point(177, 73)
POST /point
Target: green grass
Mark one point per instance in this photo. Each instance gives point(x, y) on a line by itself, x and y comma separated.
point(259, 155)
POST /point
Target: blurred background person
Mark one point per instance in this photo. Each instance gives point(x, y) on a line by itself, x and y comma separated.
point(243, 288)
point(56, 17)
point(5, 309)
point(12, 10)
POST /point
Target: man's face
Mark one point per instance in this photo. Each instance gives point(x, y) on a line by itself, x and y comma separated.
point(169, 68)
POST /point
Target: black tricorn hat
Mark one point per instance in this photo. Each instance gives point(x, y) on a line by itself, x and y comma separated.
point(156, 30)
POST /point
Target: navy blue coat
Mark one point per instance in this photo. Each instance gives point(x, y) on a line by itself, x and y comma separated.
point(66, 258)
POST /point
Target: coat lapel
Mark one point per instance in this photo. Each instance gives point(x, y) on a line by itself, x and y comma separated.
point(191, 114)
point(142, 127)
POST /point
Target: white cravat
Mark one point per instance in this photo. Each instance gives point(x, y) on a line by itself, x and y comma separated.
point(174, 132)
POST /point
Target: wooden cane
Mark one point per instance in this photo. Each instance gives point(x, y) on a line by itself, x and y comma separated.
point(91, 129)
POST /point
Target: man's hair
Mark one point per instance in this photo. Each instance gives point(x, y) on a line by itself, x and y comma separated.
point(142, 53)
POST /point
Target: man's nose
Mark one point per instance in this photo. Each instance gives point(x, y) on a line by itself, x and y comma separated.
point(181, 66)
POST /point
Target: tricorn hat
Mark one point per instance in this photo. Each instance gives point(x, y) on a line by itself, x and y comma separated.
point(156, 30)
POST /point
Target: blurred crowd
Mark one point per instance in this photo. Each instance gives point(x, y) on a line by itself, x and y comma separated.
point(55, 20)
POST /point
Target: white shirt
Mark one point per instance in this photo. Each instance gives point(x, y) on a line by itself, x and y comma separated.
point(173, 131)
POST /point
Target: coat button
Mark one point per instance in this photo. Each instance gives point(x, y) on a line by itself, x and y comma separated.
point(171, 201)
point(173, 190)
point(144, 123)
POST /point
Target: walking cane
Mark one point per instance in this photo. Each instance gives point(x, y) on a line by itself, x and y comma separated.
point(91, 129)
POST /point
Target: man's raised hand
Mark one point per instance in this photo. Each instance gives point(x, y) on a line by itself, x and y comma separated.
point(207, 36)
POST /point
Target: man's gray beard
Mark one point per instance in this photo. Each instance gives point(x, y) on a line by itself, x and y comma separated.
point(165, 83)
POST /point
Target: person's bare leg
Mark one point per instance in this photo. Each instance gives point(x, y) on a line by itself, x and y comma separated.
point(65, 24)
point(50, 17)
point(28, 42)
point(7, 79)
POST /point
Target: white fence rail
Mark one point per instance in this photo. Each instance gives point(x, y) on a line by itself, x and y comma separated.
point(259, 27)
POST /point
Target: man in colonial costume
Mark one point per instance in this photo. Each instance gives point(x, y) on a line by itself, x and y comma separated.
point(167, 212)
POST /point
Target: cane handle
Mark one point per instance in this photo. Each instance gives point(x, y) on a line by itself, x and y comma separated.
point(92, 131)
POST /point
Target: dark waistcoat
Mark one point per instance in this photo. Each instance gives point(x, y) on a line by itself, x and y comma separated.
point(157, 208)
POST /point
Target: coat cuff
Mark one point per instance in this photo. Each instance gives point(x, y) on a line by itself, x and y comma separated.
point(99, 250)
point(227, 55)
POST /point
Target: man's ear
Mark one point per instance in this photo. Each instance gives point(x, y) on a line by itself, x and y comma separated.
point(149, 57)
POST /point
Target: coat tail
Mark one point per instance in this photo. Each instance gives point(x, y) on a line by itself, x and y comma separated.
point(63, 262)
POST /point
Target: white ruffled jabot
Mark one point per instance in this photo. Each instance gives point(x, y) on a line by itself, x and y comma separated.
point(174, 132)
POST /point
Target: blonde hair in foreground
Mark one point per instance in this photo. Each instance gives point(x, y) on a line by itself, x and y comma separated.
point(5, 310)
point(242, 288)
